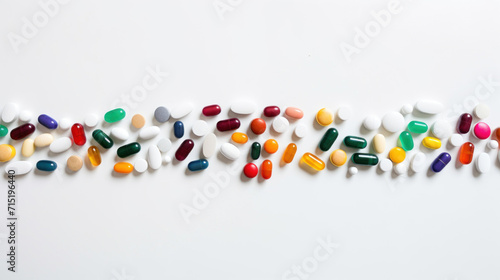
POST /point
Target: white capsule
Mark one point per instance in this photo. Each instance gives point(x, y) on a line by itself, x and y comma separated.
point(442, 129)
point(230, 151)
point(372, 122)
point(154, 157)
point(19, 167)
point(164, 145)
point(140, 165)
point(344, 113)
point(119, 133)
point(482, 111)
point(43, 140)
point(200, 128)
point(300, 130)
point(147, 133)
point(65, 124)
point(91, 120)
point(60, 145)
point(385, 164)
point(493, 144)
point(400, 168)
point(167, 159)
point(243, 107)
point(280, 124)
point(483, 163)
point(353, 170)
point(9, 113)
point(393, 122)
point(209, 145)
point(418, 162)
point(25, 116)
point(430, 107)
point(181, 110)
point(456, 140)
point(406, 109)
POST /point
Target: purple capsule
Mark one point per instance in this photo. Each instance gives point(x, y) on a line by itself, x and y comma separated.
point(47, 121)
point(464, 123)
point(440, 162)
point(22, 131)
point(229, 124)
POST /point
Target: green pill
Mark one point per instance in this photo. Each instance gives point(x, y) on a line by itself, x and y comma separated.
point(417, 127)
point(364, 159)
point(328, 139)
point(114, 115)
point(102, 138)
point(406, 141)
point(255, 150)
point(128, 150)
point(46, 165)
point(355, 142)
point(3, 130)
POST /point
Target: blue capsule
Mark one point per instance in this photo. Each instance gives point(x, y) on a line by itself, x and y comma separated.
point(46, 165)
point(178, 129)
point(47, 121)
point(197, 165)
point(440, 162)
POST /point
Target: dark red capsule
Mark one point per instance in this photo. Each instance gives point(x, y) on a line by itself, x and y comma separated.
point(211, 110)
point(229, 124)
point(271, 111)
point(22, 131)
point(464, 123)
point(78, 134)
point(184, 149)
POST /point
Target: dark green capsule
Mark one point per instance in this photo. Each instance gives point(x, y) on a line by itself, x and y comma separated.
point(46, 165)
point(364, 159)
point(255, 150)
point(417, 127)
point(102, 138)
point(328, 139)
point(3, 130)
point(128, 150)
point(355, 142)
point(406, 141)
point(197, 165)
point(114, 115)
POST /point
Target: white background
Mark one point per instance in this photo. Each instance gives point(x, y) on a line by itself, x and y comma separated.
point(96, 225)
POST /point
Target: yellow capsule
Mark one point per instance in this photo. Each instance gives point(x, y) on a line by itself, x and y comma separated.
point(313, 161)
point(397, 155)
point(7, 152)
point(123, 167)
point(94, 155)
point(28, 147)
point(324, 117)
point(431, 143)
point(289, 153)
point(379, 143)
point(239, 137)
point(338, 157)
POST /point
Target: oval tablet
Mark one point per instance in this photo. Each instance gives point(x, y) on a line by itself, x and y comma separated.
point(493, 144)
point(182, 110)
point(379, 143)
point(60, 145)
point(483, 163)
point(28, 148)
point(3, 130)
point(442, 129)
point(280, 124)
point(178, 129)
point(200, 128)
point(294, 113)
point(154, 157)
point(141, 165)
point(372, 122)
point(209, 145)
point(147, 133)
point(430, 107)
point(119, 133)
point(239, 137)
point(19, 167)
point(9, 112)
point(43, 140)
point(230, 151)
point(418, 162)
point(164, 145)
point(431, 143)
point(74, 163)
point(114, 115)
point(393, 122)
point(243, 107)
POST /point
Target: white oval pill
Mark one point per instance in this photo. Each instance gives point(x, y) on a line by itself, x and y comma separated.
point(147, 133)
point(344, 113)
point(91, 120)
point(483, 163)
point(442, 129)
point(353, 170)
point(372, 122)
point(9, 112)
point(209, 145)
point(493, 144)
point(28, 147)
point(164, 145)
point(393, 122)
point(418, 162)
point(230, 151)
point(243, 107)
point(119, 133)
point(280, 124)
point(406, 109)
point(456, 139)
point(379, 143)
point(385, 164)
point(181, 110)
point(400, 168)
point(430, 107)
point(300, 130)
point(140, 165)
point(60, 145)
point(65, 124)
point(25, 116)
point(167, 159)
point(482, 111)
point(154, 157)
point(43, 140)
point(200, 128)
point(19, 167)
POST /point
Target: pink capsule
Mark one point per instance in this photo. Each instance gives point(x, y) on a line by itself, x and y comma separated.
point(293, 112)
point(482, 130)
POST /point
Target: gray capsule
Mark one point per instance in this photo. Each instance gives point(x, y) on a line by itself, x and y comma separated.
point(162, 114)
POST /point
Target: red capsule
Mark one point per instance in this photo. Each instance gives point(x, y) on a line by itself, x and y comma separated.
point(464, 123)
point(266, 169)
point(184, 149)
point(229, 124)
point(250, 170)
point(78, 134)
point(466, 153)
point(22, 131)
point(271, 111)
point(211, 110)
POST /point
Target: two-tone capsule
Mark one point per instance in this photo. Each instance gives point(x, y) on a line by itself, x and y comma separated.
point(440, 162)
point(328, 139)
point(102, 139)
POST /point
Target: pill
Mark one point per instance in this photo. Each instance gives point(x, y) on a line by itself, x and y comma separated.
point(94, 156)
point(353, 170)
point(167, 159)
point(123, 167)
point(338, 157)
point(154, 157)
point(397, 155)
point(483, 163)
point(464, 123)
point(417, 163)
point(178, 129)
point(138, 121)
point(243, 107)
point(385, 164)
point(289, 153)
point(18, 167)
point(440, 162)
point(119, 133)
point(78, 134)
point(482, 111)
point(393, 122)
point(378, 143)
point(255, 150)
point(65, 124)
point(355, 142)
point(406, 141)
point(211, 110)
point(200, 128)
point(441, 129)
point(372, 122)
point(258, 126)
point(230, 151)
point(280, 124)
point(313, 161)
point(466, 153)
point(7, 152)
point(164, 145)
point(344, 113)
point(102, 139)
point(498, 133)
point(198, 165)
point(324, 117)
point(493, 144)
point(456, 140)
point(128, 149)
point(22, 131)
point(114, 115)
point(161, 114)
point(266, 169)
point(25, 116)
point(9, 113)
point(228, 124)
point(417, 127)
point(400, 168)
point(74, 163)
point(482, 130)
point(91, 120)
point(271, 111)
point(294, 113)
point(250, 170)
point(47, 121)
point(43, 140)
point(431, 143)
point(3, 130)
point(209, 145)
point(364, 159)
point(406, 109)
point(147, 133)
point(271, 146)
point(140, 165)
point(239, 137)
point(328, 139)
point(184, 149)
point(46, 165)
point(60, 145)
point(181, 110)
point(430, 107)
point(28, 147)
point(300, 130)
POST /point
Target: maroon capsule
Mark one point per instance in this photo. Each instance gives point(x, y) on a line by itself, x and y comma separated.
point(22, 131)
point(464, 123)
point(211, 110)
point(184, 149)
point(228, 124)
point(78, 134)
point(271, 111)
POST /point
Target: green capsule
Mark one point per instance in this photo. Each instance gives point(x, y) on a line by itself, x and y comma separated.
point(417, 127)
point(114, 115)
point(406, 141)
point(46, 165)
point(128, 150)
point(3, 130)
point(364, 159)
point(328, 139)
point(355, 142)
point(102, 138)
point(255, 151)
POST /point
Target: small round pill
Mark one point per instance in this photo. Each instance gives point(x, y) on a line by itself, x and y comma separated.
point(25, 116)
point(164, 145)
point(393, 122)
point(400, 168)
point(138, 121)
point(300, 130)
point(74, 163)
point(406, 109)
point(372, 122)
point(162, 114)
point(280, 124)
point(456, 140)
point(493, 144)
point(200, 128)
point(167, 159)
point(91, 120)
point(140, 165)
point(482, 111)
point(442, 129)
point(324, 117)
point(65, 124)
point(385, 164)
point(353, 170)
point(344, 113)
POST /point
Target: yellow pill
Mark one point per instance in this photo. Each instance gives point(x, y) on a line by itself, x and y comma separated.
point(271, 146)
point(397, 155)
point(338, 157)
point(313, 161)
point(7, 152)
point(94, 155)
point(239, 137)
point(379, 143)
point(289, 153)
point(123, 167)
point(324, 117)
point(28, 147)
point(431, 143)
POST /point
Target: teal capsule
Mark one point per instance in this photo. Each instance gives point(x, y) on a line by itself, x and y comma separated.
point(114, 115)
point(197, 165)
point(328, 139)
point(3, 130)
point(46, 165)
point(406, 141)
point(255, 150)
point(417, 127)
point(364, 159)
point(355, 142)
point(128, 150)
point(102, 138)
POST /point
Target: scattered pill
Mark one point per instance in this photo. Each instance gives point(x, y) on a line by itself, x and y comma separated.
point(198, 165)
point(91, 120)
point(164, 145)
point(482, 130)
point(294, 113)
point(385, 164)
point(9, 113)
point(440, 162)
point(300, 130)
point(243, 107)
point(43, 140)
point(74, 163)
point(47, 121)
point(442, 129)
point(3, 130)
point(430, 107)
point(379, 143)
point(250, 170)
point(417, 127)
point(78, 134)
point(128, 150)
point(372, 122)
point(271, 146)
point(211, 110)
point(239, 137)
point(119, 133)
point(255, 151)
point(493, 144)
point(167, 159)
point(328, 139)
point(483, 163)
point(400, 168)
point(178, 129)
point(200, 128)
point(181, 110)
point(393, 122)
point(114, 115)
point(466, 153)
point(344, 113)
point(147, 133)
point(123, 167)
point(406, 141)
point(230, 151)
point(456, 140)
point(364, 159)
point(161, 114)
point(418, 162)
point(19, 167)
point(28, 147)
point(46, 165)
point(209, 145)
point(94, 156)
point(324, 117)
point(65, 124)
point(266, 169)
point(498, 133)
point(397, 155)
point(313, 161)
point(482, 111)
point(258, 126)
point(25, 116)
point(353, 170)
point(184, 149)
point(355, 142)
point(138, 121)
point(228, 124)
point(102, 139)
point(280, 124)
point(431, 143)
point(338, 157)
point(7, 152)
point(289, 153)
point(271, 111)
point(406, 109)
point(464, 123)
point(60, 145)
point(140, 165)
point(154, 157)
point(22, 131)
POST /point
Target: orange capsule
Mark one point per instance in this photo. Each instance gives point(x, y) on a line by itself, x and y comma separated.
point(466, 153)
point(271, 146)
point(289, 153)
point(313, 161)
point(239, 137)
point(94, 155)
point(123, 167)
point(498, 133)
point(266, 169)
point(258, 126)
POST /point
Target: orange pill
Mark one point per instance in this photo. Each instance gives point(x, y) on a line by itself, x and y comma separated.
point(498, 133)
point(266, 169)
point(466, 153)
point(239, 137)
point(123, 167)
point(289, 153)
point(258, 126)
point(94, 155)
point(271, 146)
point(138, 121)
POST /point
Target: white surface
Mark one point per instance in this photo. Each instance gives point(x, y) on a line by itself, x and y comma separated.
point(94, 225)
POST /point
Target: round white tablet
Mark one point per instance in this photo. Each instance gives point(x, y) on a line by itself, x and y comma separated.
point(406, 109)
point(91, 120)
point(353, 170)
point(400, 168)
point(164, 145)
point(25, 116)
point(442, 129)
point(344, 113)
point(280, 124)
point(372, 122)
point(393, 122)
point(140, 165)
point(300, 130)
point(418, 162)
point(456, 140)
point(385, 164)
point(200, 128)
point(482, 111)
point(493, 144)
point(167, 159)
point(65, 124)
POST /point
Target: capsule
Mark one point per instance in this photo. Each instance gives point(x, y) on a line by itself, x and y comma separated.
point(78, 134)
point(94, 155)
point(229, 124)
point(313, 161)
point(355, 142)
point(289, 153)
point(431, 143)
point(406, 141)
point(128, 150)
point(114, 115)
point(328, 139)
point(397, 155)
point(364, 159)
point(178, 129)
point(123, 167)
point(3, 130)
point(47, 121)
point(266, 169)
point(102, 138)
point(22, 131)
point(46, 165)
point(417, 127)
point(440, 162)
point(211, 110)
point(498, 133)
point(239, 137)
point(255, 151)
point(466, 153)
point(464, 123)
point(271, 146)
point(271, 111)
point(258, 126)
point(184, 149)
point(198, 165)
